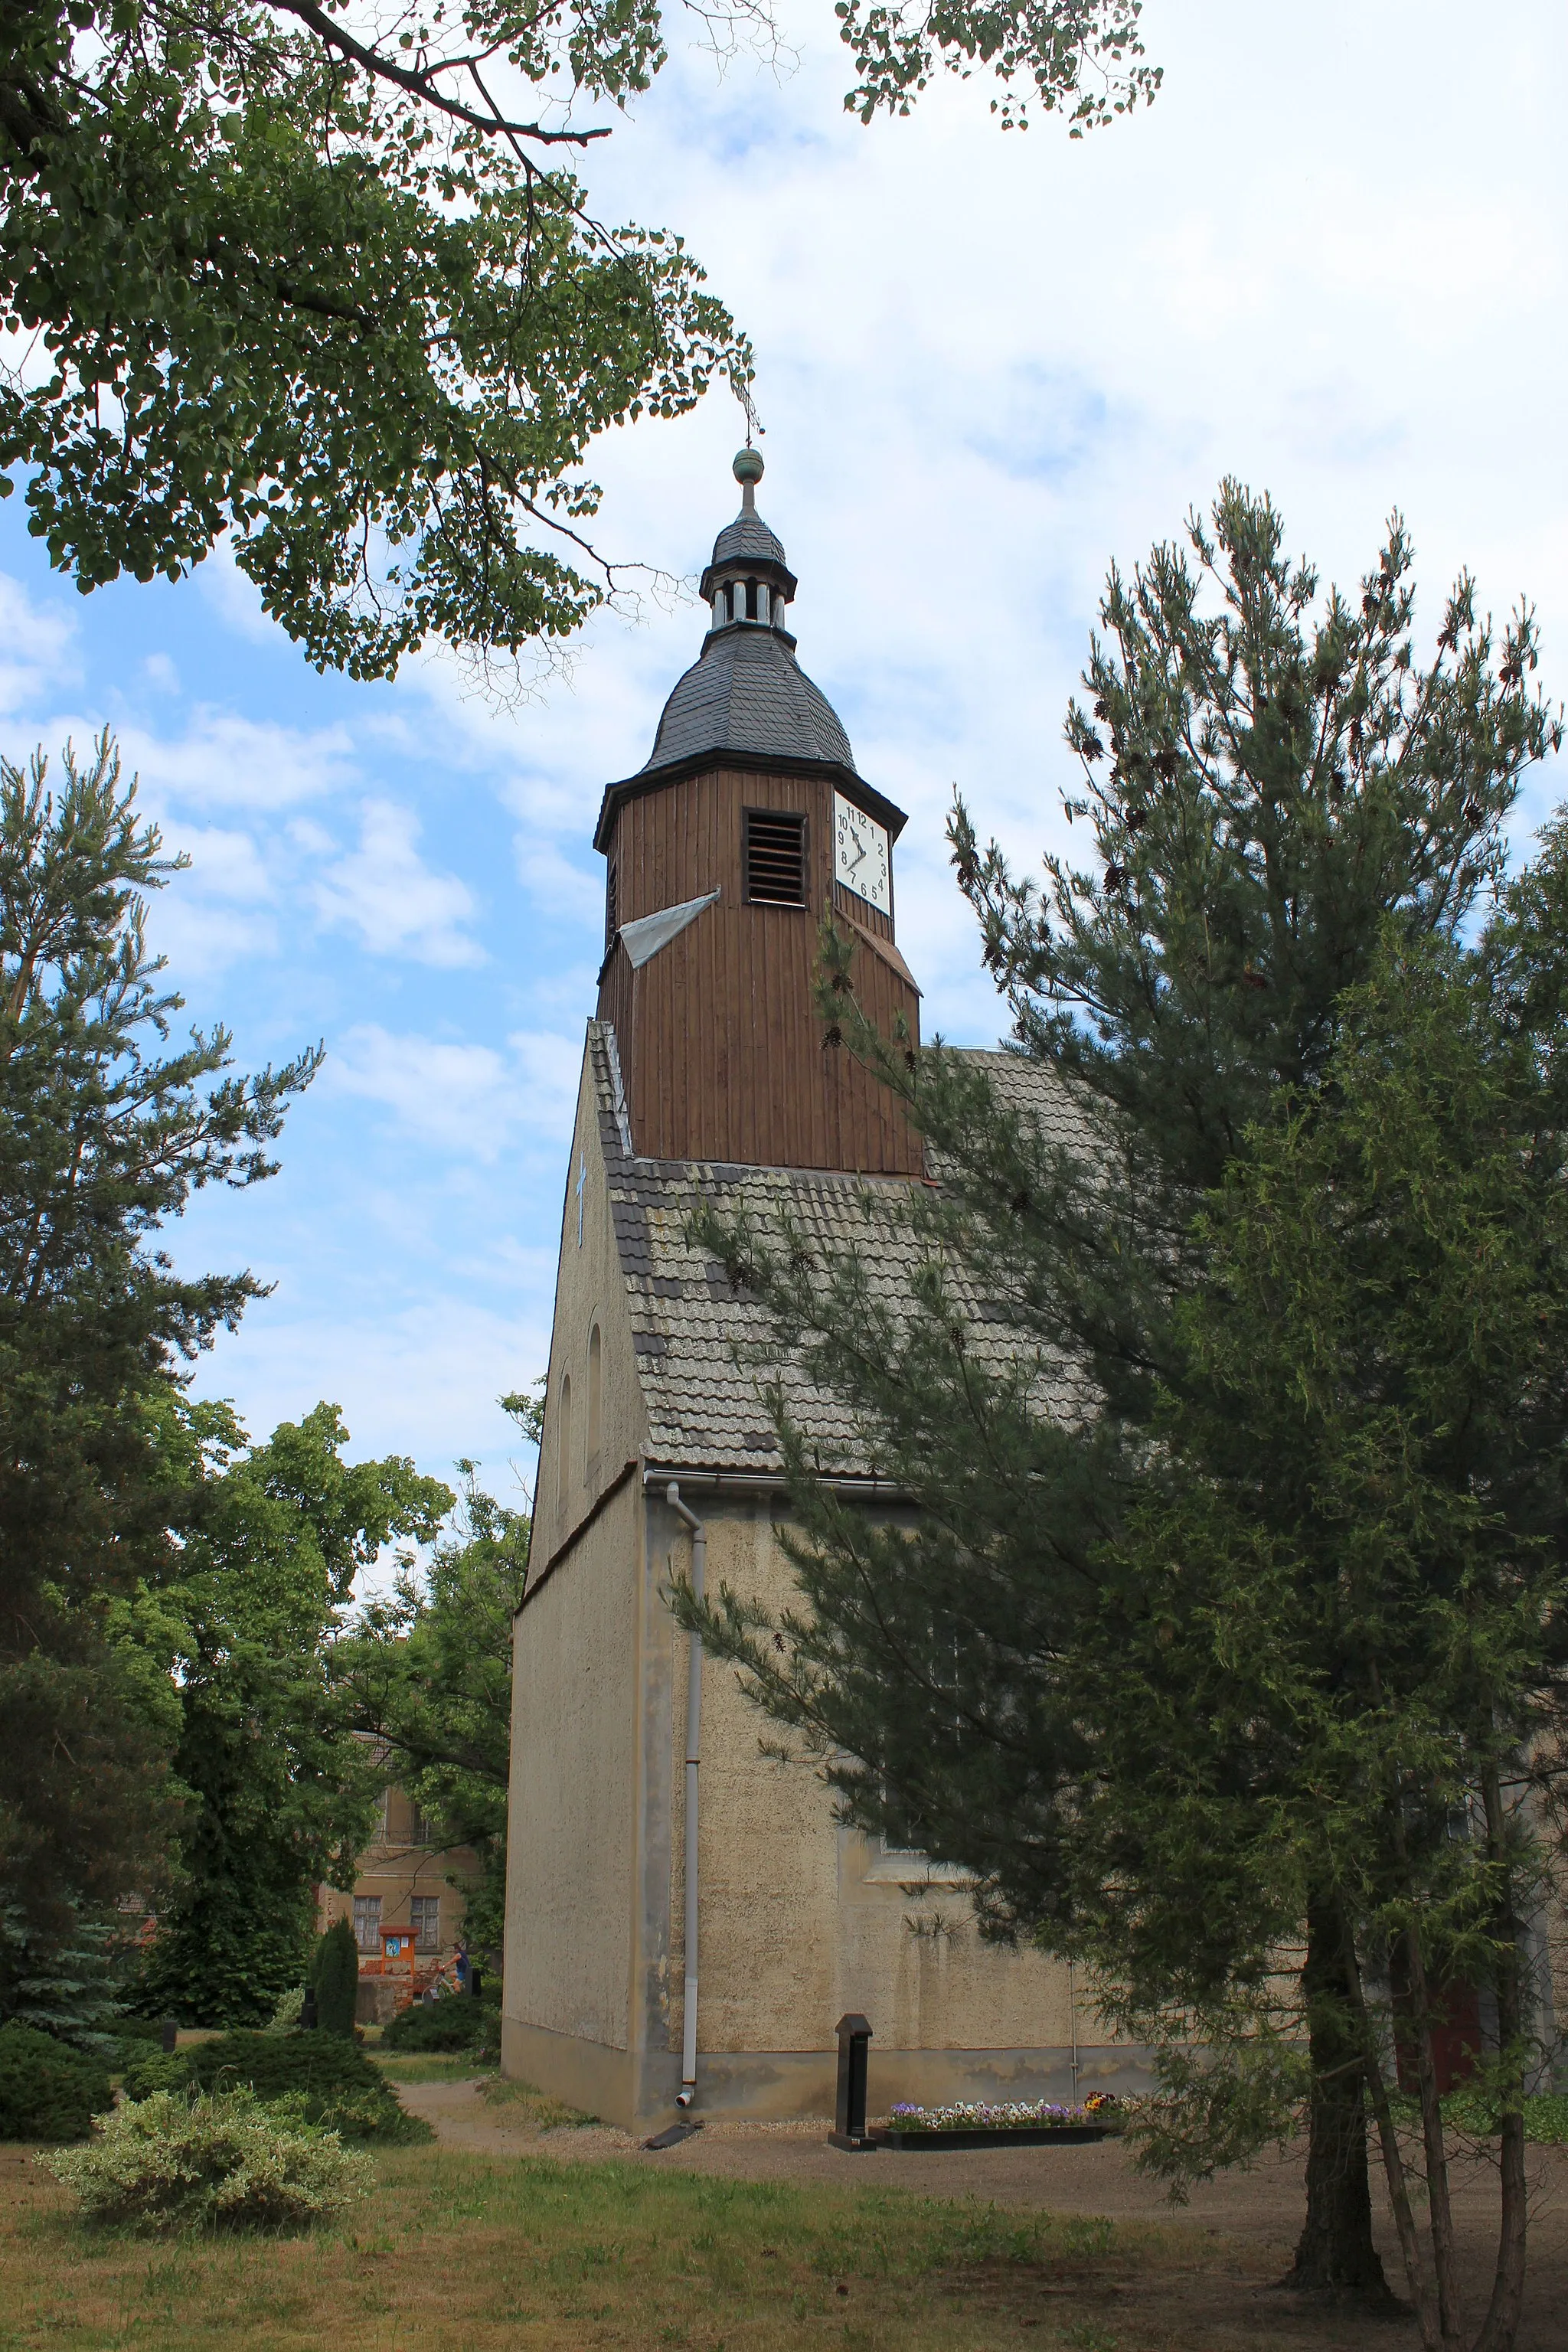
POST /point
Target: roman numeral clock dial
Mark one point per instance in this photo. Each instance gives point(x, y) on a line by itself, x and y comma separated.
point(860, 855)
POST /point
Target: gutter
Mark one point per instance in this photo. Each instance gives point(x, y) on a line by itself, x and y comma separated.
point(688, 2090)
point(657, 1476)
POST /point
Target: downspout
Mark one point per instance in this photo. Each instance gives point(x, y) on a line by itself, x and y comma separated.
point(688, 2090)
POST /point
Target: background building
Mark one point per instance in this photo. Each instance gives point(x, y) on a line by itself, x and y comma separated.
point(408, 1887)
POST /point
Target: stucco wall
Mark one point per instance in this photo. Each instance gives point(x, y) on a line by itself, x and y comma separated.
point(801, 1920)
point(589, 1293)
point(571, 1825)
point(576, 1725)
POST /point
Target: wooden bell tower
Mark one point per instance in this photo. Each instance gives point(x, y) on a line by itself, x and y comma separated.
point(748, 824)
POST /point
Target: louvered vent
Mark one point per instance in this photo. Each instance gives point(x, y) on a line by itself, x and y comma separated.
point(775, 858)
point(612, 908)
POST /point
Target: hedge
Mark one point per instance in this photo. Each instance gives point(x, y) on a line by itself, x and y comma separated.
point(48, 2090)
point(455, 2023)
point(341, 2091)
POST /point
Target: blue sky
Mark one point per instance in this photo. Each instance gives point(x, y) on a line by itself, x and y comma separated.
point(1330, 259)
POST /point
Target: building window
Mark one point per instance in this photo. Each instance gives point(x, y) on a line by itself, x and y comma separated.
point(612, 908)
point(563, 1443)
point(421, 1828)
point(773, 857)
point(367, 1922)
point(426, 1914)
point(595, 1392)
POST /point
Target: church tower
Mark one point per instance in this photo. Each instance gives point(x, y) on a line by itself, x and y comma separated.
point(745, 827)
point(687, 1917)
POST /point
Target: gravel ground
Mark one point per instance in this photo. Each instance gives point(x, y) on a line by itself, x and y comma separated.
point(1250, 2219)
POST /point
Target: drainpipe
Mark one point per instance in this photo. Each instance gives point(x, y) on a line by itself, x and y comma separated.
point(688, 2090)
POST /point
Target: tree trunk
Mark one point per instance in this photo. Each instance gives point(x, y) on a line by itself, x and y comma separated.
point(1439, 2213)
point(1500, 2329)
point(1335, 2254)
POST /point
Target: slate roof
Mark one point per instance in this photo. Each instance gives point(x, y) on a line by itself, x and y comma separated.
point(747, 693)
point(695, 1339)
point(748, 539)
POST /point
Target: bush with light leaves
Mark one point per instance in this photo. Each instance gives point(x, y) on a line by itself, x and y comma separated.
point(221, 2161)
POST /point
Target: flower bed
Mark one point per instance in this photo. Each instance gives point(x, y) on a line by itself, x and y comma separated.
point(1012, 2123)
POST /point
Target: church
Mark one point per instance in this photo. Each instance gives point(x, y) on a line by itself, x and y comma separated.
point(686, 1919)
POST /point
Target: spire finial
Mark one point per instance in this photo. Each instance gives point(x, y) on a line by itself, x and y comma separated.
point(748, 472)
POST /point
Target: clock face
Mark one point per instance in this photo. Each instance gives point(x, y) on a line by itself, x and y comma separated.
point(860, 855)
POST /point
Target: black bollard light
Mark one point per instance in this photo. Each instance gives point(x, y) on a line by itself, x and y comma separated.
point(854, 2056)
point(170, 2036)
point(475, 1979)
point(308, 2010)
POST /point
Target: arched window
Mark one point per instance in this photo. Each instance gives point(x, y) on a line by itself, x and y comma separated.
point(563, 1442)
point(751, 599)
point(595, 1394)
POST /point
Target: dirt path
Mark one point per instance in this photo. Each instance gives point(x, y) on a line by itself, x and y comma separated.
point(1255, 2216)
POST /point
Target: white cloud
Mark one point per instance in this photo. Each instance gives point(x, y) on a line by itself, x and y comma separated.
point(225, 761)
point(160, 671)
point(466, 1100)
point(225, 864)
point(212, 917)
point(553, 883)
point(385, 893)
point(461, 1098)
point(235, 598)
point(423, 1377)
point(551, 1069)
point(36, 648)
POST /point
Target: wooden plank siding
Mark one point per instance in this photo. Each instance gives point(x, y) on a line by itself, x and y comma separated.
point(719, 1038)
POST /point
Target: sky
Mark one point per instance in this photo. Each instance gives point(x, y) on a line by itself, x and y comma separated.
point(1329, 259)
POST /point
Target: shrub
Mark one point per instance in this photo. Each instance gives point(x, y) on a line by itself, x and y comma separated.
point(285, 2018)
point(221, 2160)
point(48, 2090)
point(457, 2023)
point(337, 1980)
point(148, 2070)
point(339, 2088)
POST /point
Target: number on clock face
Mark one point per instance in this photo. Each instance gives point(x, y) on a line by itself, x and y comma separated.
point(860, 855)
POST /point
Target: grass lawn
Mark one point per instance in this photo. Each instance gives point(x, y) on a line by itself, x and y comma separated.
point(434, 2065)
point(467, 2253)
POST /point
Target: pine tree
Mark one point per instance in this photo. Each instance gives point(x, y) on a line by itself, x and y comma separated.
point(1340, 1590)
point(103, 1137)
point(1270, 779)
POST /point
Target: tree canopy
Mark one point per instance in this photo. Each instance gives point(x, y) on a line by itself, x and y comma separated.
point(427, 1671)
point(278, 1794)
point(329, 288)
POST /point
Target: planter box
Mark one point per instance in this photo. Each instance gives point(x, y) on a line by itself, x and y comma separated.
point(1013, 2135)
